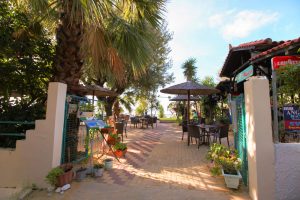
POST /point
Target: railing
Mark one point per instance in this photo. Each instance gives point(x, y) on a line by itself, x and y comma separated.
point(9, 138)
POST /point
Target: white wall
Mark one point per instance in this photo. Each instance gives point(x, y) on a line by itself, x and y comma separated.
point(41, 150)
point(260, 145)
point(287, 167)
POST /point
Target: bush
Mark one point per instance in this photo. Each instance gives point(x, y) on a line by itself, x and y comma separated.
point(223, 157)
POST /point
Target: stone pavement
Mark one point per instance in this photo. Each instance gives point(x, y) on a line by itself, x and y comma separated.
point(158, 165)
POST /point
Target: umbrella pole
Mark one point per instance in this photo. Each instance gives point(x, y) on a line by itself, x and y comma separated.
point(188, 108)
point(93, 96)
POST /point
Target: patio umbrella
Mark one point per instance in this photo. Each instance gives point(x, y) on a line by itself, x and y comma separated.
point(92, 90)
point(188, 88)
point(185, 98)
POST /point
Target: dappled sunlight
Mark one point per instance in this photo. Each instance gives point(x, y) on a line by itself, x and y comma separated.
point(184, 177)
point(134, 151)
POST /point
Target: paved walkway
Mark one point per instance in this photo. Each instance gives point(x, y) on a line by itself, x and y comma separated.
point(158, 165)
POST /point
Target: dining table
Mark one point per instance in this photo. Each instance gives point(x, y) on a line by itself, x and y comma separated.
point(207, 130)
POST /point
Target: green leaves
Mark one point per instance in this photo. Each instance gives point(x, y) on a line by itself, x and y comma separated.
point(52, 176)
point(289, 83)
point(223, 157)
point(190, 70)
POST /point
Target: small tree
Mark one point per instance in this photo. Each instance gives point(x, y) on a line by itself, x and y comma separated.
point(161, 111)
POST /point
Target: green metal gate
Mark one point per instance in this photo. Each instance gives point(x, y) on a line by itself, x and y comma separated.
point(240, 137)
point(74, 146)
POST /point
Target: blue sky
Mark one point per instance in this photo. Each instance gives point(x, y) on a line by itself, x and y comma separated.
point(203, 29)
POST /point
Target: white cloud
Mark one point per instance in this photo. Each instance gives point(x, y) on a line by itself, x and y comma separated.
point(233, 24)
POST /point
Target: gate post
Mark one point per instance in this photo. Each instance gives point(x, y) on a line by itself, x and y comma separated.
point(55, 117)
point(260, 142)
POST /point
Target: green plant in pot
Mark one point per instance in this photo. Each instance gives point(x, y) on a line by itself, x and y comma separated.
point(120, 149)
point(52, 176)
point(98, 169)
point(225, 161)
point(112, 139)
point(60, 176)
point(83, 170)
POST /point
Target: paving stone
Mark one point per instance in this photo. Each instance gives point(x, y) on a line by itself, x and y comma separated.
point(158, 165)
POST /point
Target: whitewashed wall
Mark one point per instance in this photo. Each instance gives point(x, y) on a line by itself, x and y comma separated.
point(287, 168)
point(33, 157)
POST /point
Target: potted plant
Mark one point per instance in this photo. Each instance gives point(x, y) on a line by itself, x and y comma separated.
point(67, 176)
point(98, 169)
point(108, 163)
point(83, 170)
point(230, 171)
point(112, 139)
point(52, 176)
point(120, 149)
point(60, 176)
point(81, 173)
point(225, 161)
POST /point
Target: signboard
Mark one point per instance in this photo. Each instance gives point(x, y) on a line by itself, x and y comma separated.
point(94, 123)
point(291, 115)
point(243, 75)
point(280, 61)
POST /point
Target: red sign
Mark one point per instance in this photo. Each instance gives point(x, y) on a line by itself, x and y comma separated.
point(280, 61)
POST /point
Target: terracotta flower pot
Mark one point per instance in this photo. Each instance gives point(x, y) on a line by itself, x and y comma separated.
point(120, 153)
point(111, 141)
point(65, 178)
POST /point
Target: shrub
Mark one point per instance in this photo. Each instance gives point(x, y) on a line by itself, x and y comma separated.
point(223, 157)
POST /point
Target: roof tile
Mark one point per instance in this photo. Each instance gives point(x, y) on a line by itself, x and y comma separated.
point(281, 45)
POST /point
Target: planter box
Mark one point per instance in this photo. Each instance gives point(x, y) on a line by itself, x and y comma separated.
point(108, 163)
point(232, 181)
point(65, 178)
point(81, 174)
point(98, 172)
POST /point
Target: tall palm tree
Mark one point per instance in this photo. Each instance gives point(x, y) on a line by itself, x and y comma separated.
point(86, 30)
point(189, 69)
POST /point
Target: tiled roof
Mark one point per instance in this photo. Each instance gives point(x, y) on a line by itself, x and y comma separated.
point(281, 45)
point(256, 43)
point(245, 46)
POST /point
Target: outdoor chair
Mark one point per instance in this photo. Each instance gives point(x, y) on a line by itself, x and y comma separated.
point(147, 121)
point(134, 121)
point(119, 127)
point(222, 133)
point(184, 128)
point(154, 121)
point(194, 132)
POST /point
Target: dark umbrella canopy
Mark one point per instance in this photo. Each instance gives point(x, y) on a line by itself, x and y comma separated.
point(185, 98)
point(92, 90)
point(190, 87)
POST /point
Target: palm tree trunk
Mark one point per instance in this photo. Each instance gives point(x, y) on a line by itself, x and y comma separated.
point(69, 59)
point(109, 105)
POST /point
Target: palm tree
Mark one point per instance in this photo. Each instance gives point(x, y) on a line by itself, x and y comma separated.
point(109, 33)
point(189, 70)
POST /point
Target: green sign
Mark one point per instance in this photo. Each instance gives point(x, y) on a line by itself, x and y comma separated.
point(243, 75)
